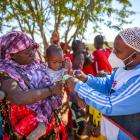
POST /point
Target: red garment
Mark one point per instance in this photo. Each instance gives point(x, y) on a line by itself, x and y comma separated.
point(23, 120)
point(107, 52)
point(69, 55)
point(101, 60)
point(89, 69)
point(58, 127)
point(6, 137)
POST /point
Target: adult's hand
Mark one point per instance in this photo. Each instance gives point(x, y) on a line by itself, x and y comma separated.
point(80, 75)
point(101, 74)
point(57, 88)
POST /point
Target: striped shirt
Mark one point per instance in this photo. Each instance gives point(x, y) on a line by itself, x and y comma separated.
point(116, 94)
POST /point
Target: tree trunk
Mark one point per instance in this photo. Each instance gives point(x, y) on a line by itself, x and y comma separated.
point(44, 39)
point(31, 31)
point(77, 29)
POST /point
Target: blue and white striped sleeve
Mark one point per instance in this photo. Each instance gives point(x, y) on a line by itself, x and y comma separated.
point(101, 84)
point(122, 102)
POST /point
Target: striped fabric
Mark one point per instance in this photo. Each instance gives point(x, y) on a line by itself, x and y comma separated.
point(121, 101)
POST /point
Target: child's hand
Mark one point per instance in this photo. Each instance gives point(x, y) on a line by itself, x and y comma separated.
point(2, 95)
point(18, 136)
point(81, 103)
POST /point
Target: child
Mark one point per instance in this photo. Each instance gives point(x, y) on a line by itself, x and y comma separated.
point(81, 55)
point(79, 109)
point(58, 66)
point(100, 56)
point(88, 67)
point(54, 40)
point(66, 50)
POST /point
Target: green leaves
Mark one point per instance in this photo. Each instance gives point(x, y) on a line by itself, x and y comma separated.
point(71, 16)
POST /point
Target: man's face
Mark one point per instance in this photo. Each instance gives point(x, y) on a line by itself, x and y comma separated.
point(122, 50)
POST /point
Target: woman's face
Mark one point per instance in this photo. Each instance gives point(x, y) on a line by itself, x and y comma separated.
point(82, 47)
point(24, 57)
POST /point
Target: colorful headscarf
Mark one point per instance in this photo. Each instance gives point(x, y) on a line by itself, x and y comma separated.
point(14, 42)
point(131, 37)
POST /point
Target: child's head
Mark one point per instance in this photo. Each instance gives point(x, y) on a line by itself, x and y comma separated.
point(78, 61)
point(54, 57)
point(65, 47)
point(98, 42)
point(55, 37)
point(78, 46)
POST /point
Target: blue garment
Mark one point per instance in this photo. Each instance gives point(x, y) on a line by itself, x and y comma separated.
point(123, 136)
point(99, 93)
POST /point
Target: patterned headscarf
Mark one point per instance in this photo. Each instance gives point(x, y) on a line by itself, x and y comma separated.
point(131, 37)
point(14, 42)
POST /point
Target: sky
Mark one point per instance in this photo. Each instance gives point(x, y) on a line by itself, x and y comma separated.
point(110, 34)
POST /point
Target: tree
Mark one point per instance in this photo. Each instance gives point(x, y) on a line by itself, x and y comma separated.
point(78, 14)
point(41, 16)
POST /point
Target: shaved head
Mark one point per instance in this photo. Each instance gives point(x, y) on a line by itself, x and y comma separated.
point(53, 50)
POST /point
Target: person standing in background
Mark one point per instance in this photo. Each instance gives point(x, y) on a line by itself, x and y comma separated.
point(100, 56)
point(55, 38)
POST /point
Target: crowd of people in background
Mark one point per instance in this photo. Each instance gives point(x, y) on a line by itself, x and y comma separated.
point(35, 103)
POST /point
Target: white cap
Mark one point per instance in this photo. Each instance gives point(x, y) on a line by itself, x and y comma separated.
point(131, 37)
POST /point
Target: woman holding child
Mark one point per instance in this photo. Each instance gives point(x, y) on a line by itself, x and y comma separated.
point(32, 93)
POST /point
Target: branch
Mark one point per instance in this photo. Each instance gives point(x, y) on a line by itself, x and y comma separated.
point(16, 15)
point(77, 29)
point(29, 29)
point(29, 4)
